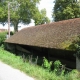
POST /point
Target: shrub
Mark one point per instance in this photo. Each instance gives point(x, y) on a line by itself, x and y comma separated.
point(57, 64)
point(46, 64)
point(2, 37)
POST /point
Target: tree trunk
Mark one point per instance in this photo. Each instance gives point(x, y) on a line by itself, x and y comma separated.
point(15, 26)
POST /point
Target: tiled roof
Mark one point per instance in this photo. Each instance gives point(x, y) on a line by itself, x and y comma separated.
point(49, 35)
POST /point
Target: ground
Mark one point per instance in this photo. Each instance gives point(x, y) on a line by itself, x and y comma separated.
point(9, 73)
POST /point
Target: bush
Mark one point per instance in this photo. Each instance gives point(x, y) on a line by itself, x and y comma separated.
point(46, 64)
point(11, 33)
point(2, 37)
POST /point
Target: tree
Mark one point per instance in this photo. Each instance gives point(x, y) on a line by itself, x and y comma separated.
point(18, 14)
point(66, 9)
point(40, 17)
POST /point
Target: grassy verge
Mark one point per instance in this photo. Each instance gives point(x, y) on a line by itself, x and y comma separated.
point(38, 73)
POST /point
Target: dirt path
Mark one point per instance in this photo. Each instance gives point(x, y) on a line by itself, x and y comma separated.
point(9, 73)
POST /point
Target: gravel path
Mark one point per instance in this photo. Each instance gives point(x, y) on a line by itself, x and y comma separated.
point(9, 73)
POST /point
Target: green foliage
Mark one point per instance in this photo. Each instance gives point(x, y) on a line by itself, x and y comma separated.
point(73, 75)
point(59, 69)
point(40, 17)
point(2, 46)
point(36, 72)
point(66, 44)
point(71, 44)
point(76, 46)
point(11, 33)
point(57, 64)
point(73, 47)
point(46, 64)
point(66, 9)
point(21, 11)
point(2, 37)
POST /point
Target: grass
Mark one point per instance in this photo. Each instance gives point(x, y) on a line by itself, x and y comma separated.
point(37, 72)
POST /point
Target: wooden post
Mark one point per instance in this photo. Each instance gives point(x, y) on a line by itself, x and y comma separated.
point(8, 20)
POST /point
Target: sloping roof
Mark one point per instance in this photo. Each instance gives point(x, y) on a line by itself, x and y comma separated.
point(49, 35)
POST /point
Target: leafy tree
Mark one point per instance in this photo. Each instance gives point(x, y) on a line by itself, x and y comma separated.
point(66, 9)
point(40, 17)
point(18, 14)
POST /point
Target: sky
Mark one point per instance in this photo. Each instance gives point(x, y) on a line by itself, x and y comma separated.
point(47, 4)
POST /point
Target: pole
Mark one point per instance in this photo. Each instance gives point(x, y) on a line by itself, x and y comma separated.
point(8, 20)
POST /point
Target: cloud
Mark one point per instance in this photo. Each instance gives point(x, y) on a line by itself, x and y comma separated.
point(48, 5)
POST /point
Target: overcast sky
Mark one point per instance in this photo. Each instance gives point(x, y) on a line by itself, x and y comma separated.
point(47, 4)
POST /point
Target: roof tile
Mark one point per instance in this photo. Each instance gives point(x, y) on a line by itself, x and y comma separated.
point(49, 35)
